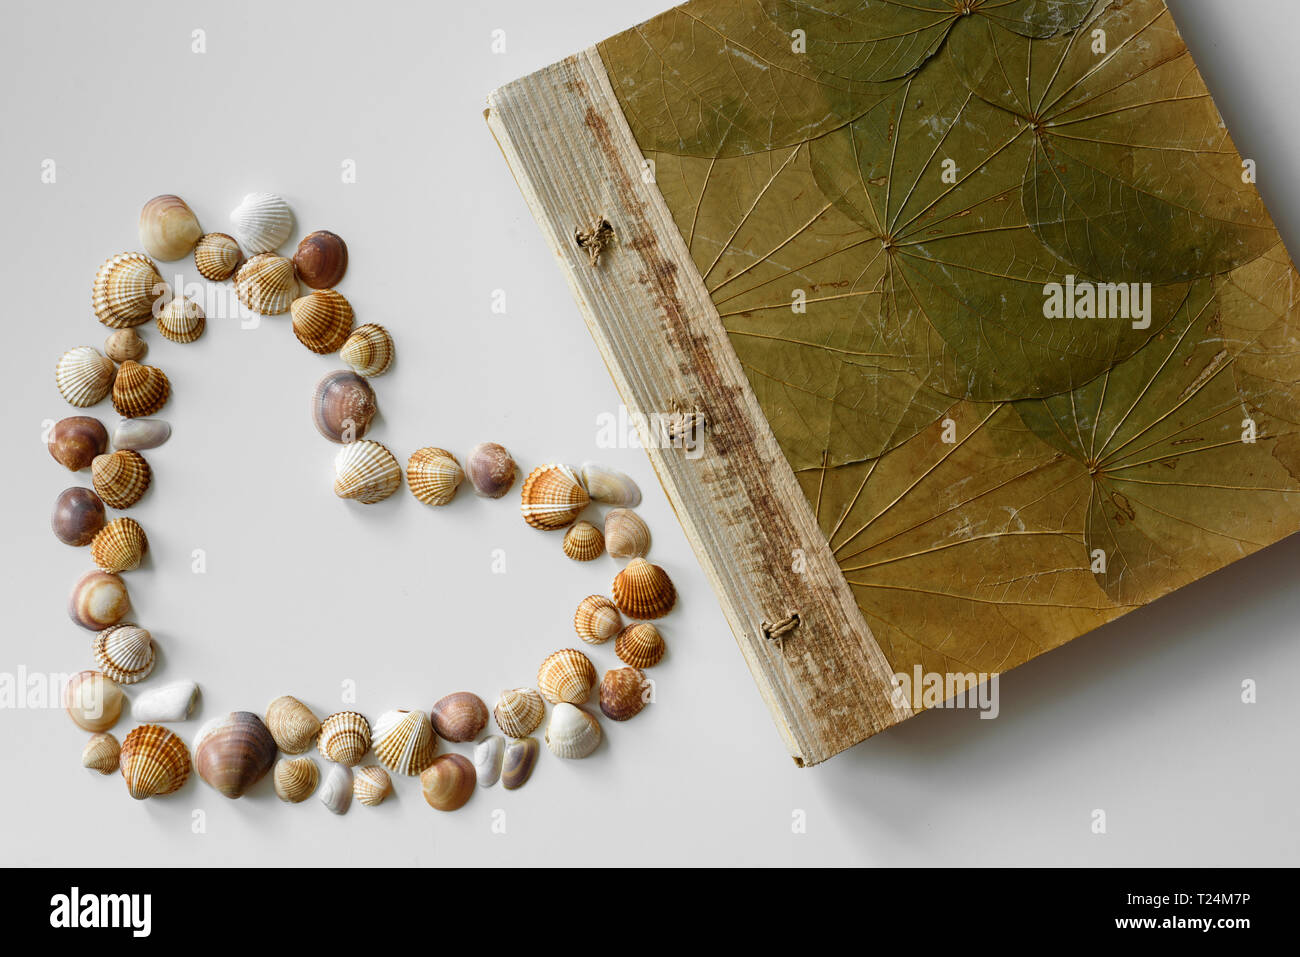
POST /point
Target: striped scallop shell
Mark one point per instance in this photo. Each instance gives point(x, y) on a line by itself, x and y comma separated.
point(139, 390)
point(552, 497)
point(262, 222)
point(643, 590)
point(640, 645)
point(181, 320)
point(120, 478)
point(583, 542)
point(371, 784)
point(572, 732)
point(154, 761)
point(597, 619)
point(433, 475)
point(101, 753)
point(119, 546)
point(626, 534)
point(366, 471)
point(519, 711)
point(125, 290)
point(84, 376)
point(369, 350)
point(124, 652)
point(344, 737)
point(123, 344)
point(404, 741)
point(322, 320)
point(217, 256)
point(266, 284)
point(567, 675)
point(295, 779)
point(292, 724)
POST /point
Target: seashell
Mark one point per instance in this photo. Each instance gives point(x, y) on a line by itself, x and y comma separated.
point(139, 390)
point(262, 222)
point(491, 470)
point(640, 645)
point(367, 472)
point(168, 228)
point(181, 320)
point(369, 350)
point(433, 475)
point(344, 737)
point(404, 742)
point(626, 534)
point(217, 256)
point(567, 675)
point(98, 599)
point(78, 516)
point(141, 434)
point(552, 497)
point(610, 486)
point(172, 701)
point(322, 320)
point(234, 752)
point(642, 590)
point(119, 546)
point(583, 542)
point(448, 783)
point(84, 376)
point(519, 712)
point(321, 259)
point(572, 733)
point(336, 792)
point(77, 440)
point(342, 406)
point(155, 761)
point(371, 784)
point(623, 693)
point(295, 779)
point(266, 284)
point(597, 620)
point(489, 755)
point(125, 290)
point(292, 724)
point(124, 653)
point(93, 700)
point(125, 344)
point(120, 478)
point(460, 716)
point(101, 753)
point(518, 763)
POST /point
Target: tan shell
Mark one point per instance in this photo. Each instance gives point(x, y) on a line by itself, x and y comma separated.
point(519, 711)
point(120, 478)
point(217, 256)
point(622, 693)
point(552, 497)
point(433, 475)
point(322, 320)
point(76, 440)
point(448, 783)
point(583, 542)
point(93, 700)
point(642, 590)
point(101, 753)
point(597, 620)
point(97, 600)
point(344, 737)
point(125, 344)
point(369, 350)
point(371, 784)
point(266, 284)
point(367, 472)
point(119, 546)
point(124, 652)
point(572, 733)
point(181, 320)
point(567, 675)
point(295, 779)
point(139, 390)
point(168, 228)
point(154, 761)
point(292, 724)
point(459, 716)
point(125, 289)
point(404, 741)
point(640, 645)
point(626, 534)
point(84, 376)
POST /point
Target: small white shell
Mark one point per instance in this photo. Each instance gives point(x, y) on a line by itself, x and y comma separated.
point(84, 376)
point(610, 486)
point(572, 732)
point(366, 471)
point(170, 702)
point(262, 222)
point(336, 791)
point(488, 757)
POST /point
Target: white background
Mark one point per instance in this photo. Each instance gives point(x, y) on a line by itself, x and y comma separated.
point(304, 591)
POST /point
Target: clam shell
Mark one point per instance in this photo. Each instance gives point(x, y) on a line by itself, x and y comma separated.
point(125, 290)
point(583, 542)
point(518, 763)
point(622, 693)
point(369, 350)
point(84, 376)
point(321, 259)
point(120, 478)
point(640, 645)
point(77, 440)
point(344, 737)
point(101, 753)
point(125, 344)
point(292, 724)
point(295, 779)
point(172, 701)
point(78, 516)
point(642, 590)
point(567, 675)
point(154, 762)
point(597, 620)
point(367, 472)
point(139, 390)
point(93, 700)
point(217, 256)
point(404, 742)
point(519, 711)
point(181, 320)
point(448, 783)
point(336, 792)
point(491, 470)
point(266, 284)
point(489, 755)
point(262, 222)
point(610, 486)
point(342, 406)
point(552, 497)
point(124, 652)
point(626, 534)
point(459, 716)
point(371, 784)
point(322, 320)
point(572, 733)
point(433, 475)
point(119, 546)
point(168, 228)
point(234, 752)
point(141, 434)
point(98, 599)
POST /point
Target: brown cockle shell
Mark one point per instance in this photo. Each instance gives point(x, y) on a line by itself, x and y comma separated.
point(295, 779)
point(125, 290)
point(93, 700)
point(168, 228)
point(78, 516)
point(344, 737)
point(98, 599)
point(519, 711)
point(552, 497)
point(322, 320)
point(433, 475)
point(124, 652)
point(626, 534)
point(125, 344)
point(404, 742)
point(448, 783)
point(77, 440)
point(266, 284)
point(371, 784)
point(583, 542)
point(139, 390)
point(292, 724)
point(154, 761)
point(101, 753)
point(369, 350)
point(342, 406)
point(217, 256)
point(644, 591)
point(181, 320)
point(567, 675)
point(120, 478)
point(459, 716)
point(623, 693)
point(367, 472)
point(119, 546)
point(234, 752)
point(83, 376)
point(321, 259)
point(597, 620)
point(640, 645)
point(491, 470)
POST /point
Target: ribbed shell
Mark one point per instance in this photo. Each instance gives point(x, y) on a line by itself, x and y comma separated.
point(583, 542)
point(622, 693)
point(404, 742)
point(344, 737)
point(120, 478)
point(234, 752)
point(369, 350)
point(626, 534)
point(181, 320)
point(644, 591)
point(572, 733)
point(597, 620)
point(292, 724)
point(295, 779)
point(519, 711)
point(433, 475)
point(168, 228)
point(322, 320)
point(371, 784)
point(266, 284)
point(125, 652)
point(84, 376)
point(123, 344)
point(101, 753)
point(610, 486)
point(367, 472)
point(217, 256)
point(552, 497)
point(119, 546)
point(125, 289)
point(139, 390)
point(262, 222)
point(154, 761)
point(640, 645)
point(459, 716)
point(567, 675)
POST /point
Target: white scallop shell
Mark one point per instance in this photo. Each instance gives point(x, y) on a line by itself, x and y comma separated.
point(366, 471)
point(262, 222)
point(572, 732)
point(84, 376)
point(404, 741)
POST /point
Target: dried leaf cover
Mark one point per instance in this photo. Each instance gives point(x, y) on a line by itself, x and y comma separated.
point(878, 196)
